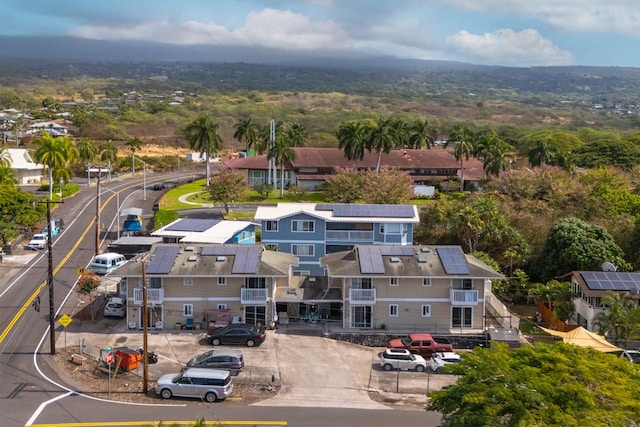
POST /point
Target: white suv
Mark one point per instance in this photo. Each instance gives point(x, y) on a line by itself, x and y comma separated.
point(402, 359)
point(38, 241)
point(439, 360)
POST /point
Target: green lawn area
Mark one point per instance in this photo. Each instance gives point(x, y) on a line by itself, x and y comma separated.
point(197, 196)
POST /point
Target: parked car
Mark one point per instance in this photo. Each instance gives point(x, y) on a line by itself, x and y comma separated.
point(107, 262)
point(402, 359)
point(207, 384)
point(115, 307)
point(439, 360)
point(422, 344)
point(230, 360)
point(249, 335)
point(38, 241)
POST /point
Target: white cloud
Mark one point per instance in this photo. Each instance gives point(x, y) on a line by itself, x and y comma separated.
point(267, 28)
point(614, 16)
point(508, 47)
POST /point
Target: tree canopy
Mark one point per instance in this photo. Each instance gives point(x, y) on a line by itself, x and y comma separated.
point(539, 386)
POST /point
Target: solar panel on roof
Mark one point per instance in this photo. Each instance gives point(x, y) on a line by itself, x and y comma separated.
point(246, 260)
point(453, 261)
point(192, 224)
point(162, 260)
point(611, 280)
point(351, 210)
point(370, 260)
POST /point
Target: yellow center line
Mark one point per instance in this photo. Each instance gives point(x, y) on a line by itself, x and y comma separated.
point(33, 296)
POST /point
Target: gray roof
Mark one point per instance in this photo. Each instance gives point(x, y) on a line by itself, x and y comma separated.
point(412, 261)
point(170, 259)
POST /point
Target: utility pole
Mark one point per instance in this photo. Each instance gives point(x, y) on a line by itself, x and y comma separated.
point(52, 329)
point(97, 251)
point(145, 351)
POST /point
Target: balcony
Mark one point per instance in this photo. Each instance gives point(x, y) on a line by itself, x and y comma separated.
point(154, 296)
point(463, 297)
point(362, 296)
point(253, 296)
point(348, 236)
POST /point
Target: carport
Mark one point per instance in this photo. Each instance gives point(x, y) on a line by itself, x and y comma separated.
point(307, 300)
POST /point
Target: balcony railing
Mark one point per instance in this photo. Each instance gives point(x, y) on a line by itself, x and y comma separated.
point(253, 296)
point(348, 236)
point(463, 297)
point(362, 296)
point(154, 296)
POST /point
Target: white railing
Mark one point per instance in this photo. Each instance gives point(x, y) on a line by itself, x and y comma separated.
point(463, 297)
point(362, 296)
point(154, 296)
point(347, 236)
point(253, 296)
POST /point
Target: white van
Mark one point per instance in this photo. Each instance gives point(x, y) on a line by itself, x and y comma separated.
point(106, 263)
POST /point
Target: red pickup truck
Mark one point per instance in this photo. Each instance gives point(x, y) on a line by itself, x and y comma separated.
point(422, 344)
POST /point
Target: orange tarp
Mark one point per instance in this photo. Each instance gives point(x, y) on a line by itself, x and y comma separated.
point(584, 338)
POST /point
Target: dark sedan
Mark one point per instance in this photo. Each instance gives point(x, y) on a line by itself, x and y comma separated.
point(229, 360)
point(249, 335)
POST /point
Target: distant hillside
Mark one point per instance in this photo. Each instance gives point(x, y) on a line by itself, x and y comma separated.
point(225, 68)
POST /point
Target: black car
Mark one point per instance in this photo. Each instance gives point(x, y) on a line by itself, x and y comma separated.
point(229, 360)
point(249, 335)
point(159, 187)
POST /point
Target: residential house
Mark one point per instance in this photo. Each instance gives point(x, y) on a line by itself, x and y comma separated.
point(27, 171)
point(195, 230)
point(52, 128)
point(312, 166)
point(202, 285)
point(410, 288)
point(590, 287)
point(310, 230)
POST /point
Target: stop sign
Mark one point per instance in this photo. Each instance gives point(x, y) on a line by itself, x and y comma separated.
point(110, 358)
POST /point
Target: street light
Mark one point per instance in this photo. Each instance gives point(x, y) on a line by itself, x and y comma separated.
point(117, 208)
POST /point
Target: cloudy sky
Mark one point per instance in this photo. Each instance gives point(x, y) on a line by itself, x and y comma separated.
point(498, 32)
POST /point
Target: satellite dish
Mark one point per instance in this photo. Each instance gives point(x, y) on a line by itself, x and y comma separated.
point(607, 266)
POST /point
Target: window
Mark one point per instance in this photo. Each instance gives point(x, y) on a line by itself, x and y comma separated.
point(391, 228)
point(394, 281)
point(222, 281)
point(361, 283)
point(271, 226)
point(426, 310)
point(461, 317)
point(187, 281)
point(187, 310)
point(426, 281)
point(463, 284)
point(302, 250)
point(302, 226)
point(393, 310)
point(222, 306)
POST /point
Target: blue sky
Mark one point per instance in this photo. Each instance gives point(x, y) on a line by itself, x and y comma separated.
point(497, 32)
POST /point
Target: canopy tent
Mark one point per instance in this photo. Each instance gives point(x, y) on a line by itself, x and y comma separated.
point(584, 338)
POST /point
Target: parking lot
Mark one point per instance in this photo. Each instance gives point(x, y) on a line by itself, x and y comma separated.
point(310, 370)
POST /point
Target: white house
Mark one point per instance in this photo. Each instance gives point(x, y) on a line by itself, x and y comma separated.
point(27, 171)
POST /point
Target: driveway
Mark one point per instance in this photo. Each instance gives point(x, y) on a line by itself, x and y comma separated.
point(320, 372)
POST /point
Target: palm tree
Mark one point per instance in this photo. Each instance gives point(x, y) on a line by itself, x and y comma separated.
point(87, 150)
point(381, 139)
point(246, 131)
point(108, 153)
point(421, 134)
point(203, 135)
point(5, 156)
point(297, 135)
point(620, 320)
point(7, 176)
point(461, 137)
point(53, 153)
point(133, 144)
point(400, 130)
point(281, 152)
point(353, 138)
point(541, 153)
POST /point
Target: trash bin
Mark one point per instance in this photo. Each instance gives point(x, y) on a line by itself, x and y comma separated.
point(129, 358)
